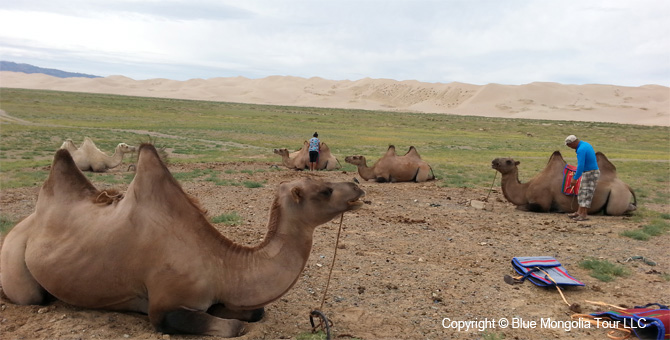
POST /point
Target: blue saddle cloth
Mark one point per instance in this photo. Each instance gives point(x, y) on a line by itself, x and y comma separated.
point(543, 271)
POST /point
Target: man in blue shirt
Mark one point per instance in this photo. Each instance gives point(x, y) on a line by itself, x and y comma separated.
point(587, 168)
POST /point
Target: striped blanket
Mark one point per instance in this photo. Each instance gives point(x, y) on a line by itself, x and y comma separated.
point(568, 173)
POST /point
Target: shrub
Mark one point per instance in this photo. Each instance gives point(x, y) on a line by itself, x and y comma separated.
point(603, 270)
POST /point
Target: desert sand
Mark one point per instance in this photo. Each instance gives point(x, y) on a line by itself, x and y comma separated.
point(644, 105)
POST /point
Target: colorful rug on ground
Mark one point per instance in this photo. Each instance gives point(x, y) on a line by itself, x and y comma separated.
point(543, 271)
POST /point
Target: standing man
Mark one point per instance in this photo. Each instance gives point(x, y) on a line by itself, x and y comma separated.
point(314, 146)
point(587, 166)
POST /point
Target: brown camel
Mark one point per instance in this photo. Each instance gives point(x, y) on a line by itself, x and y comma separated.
point(543, 193)
point(89, 158)
point(154, 251)
point(393, 168)
point(299, 160)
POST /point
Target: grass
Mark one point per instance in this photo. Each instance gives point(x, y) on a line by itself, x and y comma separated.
point(459, 148)
point(603, 270)
point(492, 336)
point(5, 224)
point(657, 227)
point(230, 218)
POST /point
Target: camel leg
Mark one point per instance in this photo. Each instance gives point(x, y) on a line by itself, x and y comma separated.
point(189, 321)
point(18, 284)
point(221, 311)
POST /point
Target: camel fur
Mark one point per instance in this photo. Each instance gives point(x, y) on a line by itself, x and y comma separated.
point(299, 160)
point(543, 193)
point(154, 251)
point(393, 168)
point(89, 158)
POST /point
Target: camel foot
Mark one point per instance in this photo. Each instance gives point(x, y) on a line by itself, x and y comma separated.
point(185, 321)
point(221, 311)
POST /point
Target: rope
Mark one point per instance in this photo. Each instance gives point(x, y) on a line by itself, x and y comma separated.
point(492, 184)
point(330, 272)
point(324, 323)
point(555, 284)
point(625, 333)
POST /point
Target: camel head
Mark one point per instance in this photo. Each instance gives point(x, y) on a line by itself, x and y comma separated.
point(356, 160)
point(281, 152)
point(316, 202)
point(125, 148)
point(504, 165)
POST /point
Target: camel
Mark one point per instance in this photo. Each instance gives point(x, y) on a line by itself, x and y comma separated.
point(299, 160)
point(543, 193)
point(89, 158)
point(69, 145)
point(154, 251)
point(393, 168)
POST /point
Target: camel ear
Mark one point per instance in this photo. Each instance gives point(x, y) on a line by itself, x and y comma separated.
point(296, 193)
point(517, 163)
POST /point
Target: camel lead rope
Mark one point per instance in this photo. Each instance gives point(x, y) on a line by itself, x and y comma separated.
point(324, 322)
point(495, 174)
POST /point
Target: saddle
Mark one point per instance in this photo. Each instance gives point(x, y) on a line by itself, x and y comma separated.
point(543, 271)
point(568, 174)
point(642, 321)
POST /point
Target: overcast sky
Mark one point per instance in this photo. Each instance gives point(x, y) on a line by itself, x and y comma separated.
point(472, 41)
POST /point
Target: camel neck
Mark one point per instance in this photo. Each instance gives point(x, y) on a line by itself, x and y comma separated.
point(365, 171)
point(513, 190)
point(264, 273)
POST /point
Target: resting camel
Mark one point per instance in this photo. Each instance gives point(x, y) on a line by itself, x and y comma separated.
point(299, 160)
point(543, 193)
point(89, 158)
point(393, 168)
point(154, 251)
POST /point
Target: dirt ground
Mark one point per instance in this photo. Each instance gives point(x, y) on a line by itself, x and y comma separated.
point(417, 257)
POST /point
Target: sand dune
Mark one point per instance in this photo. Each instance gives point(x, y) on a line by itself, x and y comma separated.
point(644, 105)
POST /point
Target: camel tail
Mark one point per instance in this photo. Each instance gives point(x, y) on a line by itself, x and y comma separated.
point(431, 172)
point(633, 193)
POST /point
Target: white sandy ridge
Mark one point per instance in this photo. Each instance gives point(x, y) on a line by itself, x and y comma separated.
point(644, 105)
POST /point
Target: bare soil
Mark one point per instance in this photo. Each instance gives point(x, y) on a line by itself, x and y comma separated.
point(417, 255)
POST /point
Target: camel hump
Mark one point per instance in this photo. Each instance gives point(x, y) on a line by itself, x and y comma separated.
point(556, 155)
point(604, 164)
point(323, 147)
point(556, 159)
point(413, 152)
point(65, 179)
point(153, 181)
point(390, 151)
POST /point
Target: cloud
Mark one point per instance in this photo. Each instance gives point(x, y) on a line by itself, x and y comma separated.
point(509, 42)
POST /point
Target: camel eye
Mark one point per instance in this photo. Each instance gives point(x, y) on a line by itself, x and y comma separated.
point(327, 192)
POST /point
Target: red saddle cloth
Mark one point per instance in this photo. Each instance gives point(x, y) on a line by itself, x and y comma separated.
point(568, 173)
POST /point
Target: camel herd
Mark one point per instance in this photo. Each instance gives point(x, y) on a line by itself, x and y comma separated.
point(97, 249)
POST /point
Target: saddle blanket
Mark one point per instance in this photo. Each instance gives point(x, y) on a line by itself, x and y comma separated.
point(543, 271)
point(568, 174)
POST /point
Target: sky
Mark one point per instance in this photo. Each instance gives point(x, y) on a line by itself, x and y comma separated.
point(509, 42)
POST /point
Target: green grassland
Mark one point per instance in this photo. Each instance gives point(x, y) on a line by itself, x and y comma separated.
point(459, 148)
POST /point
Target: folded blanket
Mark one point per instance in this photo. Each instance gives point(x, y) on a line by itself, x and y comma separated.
point(645, 322)
point(543, 271)
point(568, 174)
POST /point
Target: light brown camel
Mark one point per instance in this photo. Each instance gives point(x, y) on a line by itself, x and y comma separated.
point(393, 168)
point(543, 193)
point(154, 251)
point(89, 158)
point(69, 145)
point(299, 159)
